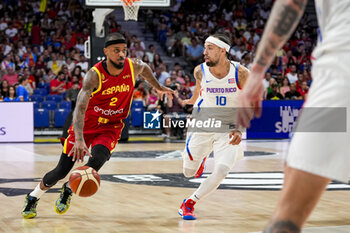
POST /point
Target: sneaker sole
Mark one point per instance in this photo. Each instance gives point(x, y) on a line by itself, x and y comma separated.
point(188, 217)
point(29, 216)
point(61, 212)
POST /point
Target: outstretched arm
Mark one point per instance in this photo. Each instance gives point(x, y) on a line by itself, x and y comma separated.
point(284, 17)
point(141, 68)
point(91, 81)
point(197, 73)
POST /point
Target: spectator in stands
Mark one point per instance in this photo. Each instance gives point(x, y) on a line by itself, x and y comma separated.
point(304, 90)
point(195, 52)
point(72, 92)
point(70, 64)
point(58, 85)
point(266, 80)
point(285, 86)
point(12, 95)
point(145, 59)
point(139, 91)
point(151, 52)
point(7, 62)
point(175, 106)
point(11, 77)
point(152, 100)
point(83, 63)
point(274, 94)
point(161, 76)
point(138, 50)
point(4, 89)
point(157, 61)
point(293, 94)
point(268, 90)
point(21, 90)
point(19, 63)
point(189, 84)
point(292, 75)
point(299, 81)
point(77, 71)
point(55, 65)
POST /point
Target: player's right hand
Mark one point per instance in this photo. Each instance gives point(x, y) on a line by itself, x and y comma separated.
point(79, 150)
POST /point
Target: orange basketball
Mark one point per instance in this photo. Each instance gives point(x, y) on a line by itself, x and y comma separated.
point(84, 181)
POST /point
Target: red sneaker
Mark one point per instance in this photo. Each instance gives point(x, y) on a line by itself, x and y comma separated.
point(200, 171)
point(186, 210)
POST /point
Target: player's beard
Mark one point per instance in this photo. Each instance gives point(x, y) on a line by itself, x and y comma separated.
point(118, 66)
point(212, 63)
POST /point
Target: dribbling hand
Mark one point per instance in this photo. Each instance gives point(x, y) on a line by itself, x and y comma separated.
point(78, 151)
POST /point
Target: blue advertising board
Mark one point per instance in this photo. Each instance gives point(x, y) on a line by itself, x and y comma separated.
point(277, 120)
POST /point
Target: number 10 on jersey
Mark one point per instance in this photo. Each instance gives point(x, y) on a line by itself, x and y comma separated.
point(221, 100)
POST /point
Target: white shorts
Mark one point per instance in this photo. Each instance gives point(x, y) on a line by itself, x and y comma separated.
point(325, 154)
point(200, 145)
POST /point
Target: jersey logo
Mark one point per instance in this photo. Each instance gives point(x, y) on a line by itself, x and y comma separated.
point(231, 80)
point(208, 81)
point(103, 81)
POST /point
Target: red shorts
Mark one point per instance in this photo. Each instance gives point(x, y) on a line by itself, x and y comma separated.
point(108, 138)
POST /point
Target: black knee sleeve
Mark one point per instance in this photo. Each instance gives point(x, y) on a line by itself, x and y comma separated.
point(63, 167)
point(100, 154)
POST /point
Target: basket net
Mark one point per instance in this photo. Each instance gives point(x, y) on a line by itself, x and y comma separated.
point(131, 9)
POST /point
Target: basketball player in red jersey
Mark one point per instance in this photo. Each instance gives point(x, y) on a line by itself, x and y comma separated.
point(103, 102)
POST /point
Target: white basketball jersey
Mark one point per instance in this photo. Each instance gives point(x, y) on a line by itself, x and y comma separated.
point(218, 97)
point(334, 27)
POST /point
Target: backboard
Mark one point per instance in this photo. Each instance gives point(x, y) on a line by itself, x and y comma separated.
point(117, 3)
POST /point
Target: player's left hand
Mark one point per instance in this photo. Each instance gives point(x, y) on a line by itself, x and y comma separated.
point(167, 91)
point(235, 137)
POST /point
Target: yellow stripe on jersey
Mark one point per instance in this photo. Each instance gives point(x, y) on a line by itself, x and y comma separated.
point(99, 81)
point(132, 71)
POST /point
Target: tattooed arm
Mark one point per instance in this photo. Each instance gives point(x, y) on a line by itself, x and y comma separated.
point(284, 18)
point(243, 73)
point(90, 82)
point(141, 68)
point(197, 73)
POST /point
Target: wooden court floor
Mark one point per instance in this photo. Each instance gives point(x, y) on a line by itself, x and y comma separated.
point(142, 189)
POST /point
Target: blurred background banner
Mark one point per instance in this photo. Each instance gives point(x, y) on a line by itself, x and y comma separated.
point(16, 122)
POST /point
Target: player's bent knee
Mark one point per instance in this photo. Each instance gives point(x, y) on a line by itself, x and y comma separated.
point(189, 172)
point(221, 170)
point(100, 154)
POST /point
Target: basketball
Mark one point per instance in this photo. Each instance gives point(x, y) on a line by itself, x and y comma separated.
point(84, 181)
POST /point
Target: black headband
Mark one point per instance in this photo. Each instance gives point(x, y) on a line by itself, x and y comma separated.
point(117, 41)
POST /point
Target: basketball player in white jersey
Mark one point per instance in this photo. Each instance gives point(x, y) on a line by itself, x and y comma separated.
point(314, 158)
point(218, 83)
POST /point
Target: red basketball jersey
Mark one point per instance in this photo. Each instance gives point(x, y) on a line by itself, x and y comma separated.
point(111, 102)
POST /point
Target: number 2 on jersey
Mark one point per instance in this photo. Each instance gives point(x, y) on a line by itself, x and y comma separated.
point(113, 101)
point(221, 100)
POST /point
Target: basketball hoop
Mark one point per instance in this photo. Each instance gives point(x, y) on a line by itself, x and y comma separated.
point(131, 9)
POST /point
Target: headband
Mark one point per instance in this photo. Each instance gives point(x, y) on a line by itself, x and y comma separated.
point(218, 43)
point(117, 41)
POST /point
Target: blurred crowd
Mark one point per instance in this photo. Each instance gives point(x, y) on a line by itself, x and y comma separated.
point(42, 46)
point(182, 31)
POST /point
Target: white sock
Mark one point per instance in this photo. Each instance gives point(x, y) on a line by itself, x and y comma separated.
point(37, 192)
point(68, 185)
point(194, 197)
point(211, 183)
